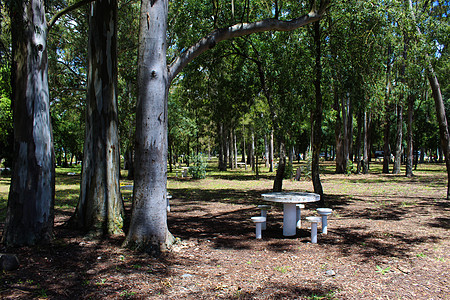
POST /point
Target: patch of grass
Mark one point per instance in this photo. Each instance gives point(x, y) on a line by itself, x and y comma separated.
point(127, 294)
point(421, 254)
point(329, 295)
point(382, 271)
point(282, 269)
point(408, 204)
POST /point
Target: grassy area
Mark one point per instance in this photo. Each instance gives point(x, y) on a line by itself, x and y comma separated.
point(240, 185)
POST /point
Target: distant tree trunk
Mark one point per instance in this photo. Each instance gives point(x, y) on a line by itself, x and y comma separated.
point(387, 124)
point(271, 152)
point(235, 161)
point(278, 182)
point(222, 143)
point(358, 143)
point(129, 162)
point(230, 148)
point(266, 150)
point(243, 144)
point(386, 146)
point(148, 227)
point(350, 132)
point(252, 152)
point(170, 153)
point(100, 207)
point(409, 137)
point(340, 166)
point(365, 164)
point(30, 212)
point(398, 145)
point(317, 124)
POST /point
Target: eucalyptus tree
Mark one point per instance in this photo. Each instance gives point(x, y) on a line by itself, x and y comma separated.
point(100, 207)
point(32, 191)
point(148, 228)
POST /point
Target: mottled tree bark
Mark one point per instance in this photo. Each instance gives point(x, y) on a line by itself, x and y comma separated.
point(100, 208)
point(30, 214)
point(148, 227)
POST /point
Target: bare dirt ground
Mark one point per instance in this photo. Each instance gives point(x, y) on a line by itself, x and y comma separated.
point(388, 238)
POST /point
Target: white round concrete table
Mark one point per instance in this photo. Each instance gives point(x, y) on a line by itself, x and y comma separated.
point(289, 200)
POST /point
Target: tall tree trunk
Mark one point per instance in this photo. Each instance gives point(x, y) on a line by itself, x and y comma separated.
point(271, 152)
point(230, 148)
point(252, 152)
point(100, 207)
point(398, 144)
point(148, 227)
point(409, 137)
point(243, 144)
point(358, 143)
point(317, 124)
point(222, 162)
point(386, 146)
point(338, 135)
point(235, 161)
point(387, 124)
point(266, 150)
point(278, 182)
point(30, 213)
point(129, 159)
point(365, 164)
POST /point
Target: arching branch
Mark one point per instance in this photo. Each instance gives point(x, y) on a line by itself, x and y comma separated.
point(239, 30)
point(65, 11)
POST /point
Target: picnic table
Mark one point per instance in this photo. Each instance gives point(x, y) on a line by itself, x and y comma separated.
point(290, 200)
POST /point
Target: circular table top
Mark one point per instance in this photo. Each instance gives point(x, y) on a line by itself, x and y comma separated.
point(291, 197)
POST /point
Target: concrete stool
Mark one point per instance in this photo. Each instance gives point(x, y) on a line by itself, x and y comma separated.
point(264, 208)
point(324, 212)
point(258, 221)
point(314, 221)
point(299, 215)
point(168, 203)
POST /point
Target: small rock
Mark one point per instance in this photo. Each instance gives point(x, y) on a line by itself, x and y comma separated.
point(330, 273)
point(186, 275)
point(91, 272)
point(9, 262)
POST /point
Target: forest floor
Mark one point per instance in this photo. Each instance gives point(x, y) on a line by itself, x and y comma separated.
point(388, 238)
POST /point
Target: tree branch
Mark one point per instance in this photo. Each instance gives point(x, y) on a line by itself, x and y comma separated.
point(65, 11)
point(238, 30)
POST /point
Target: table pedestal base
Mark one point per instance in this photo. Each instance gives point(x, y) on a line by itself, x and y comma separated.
point(289, 219)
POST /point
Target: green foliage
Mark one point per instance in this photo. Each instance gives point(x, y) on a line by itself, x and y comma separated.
point(198, 167)
point(6, 116)
point(351, 168)
point(381, 270)
point(288, 171)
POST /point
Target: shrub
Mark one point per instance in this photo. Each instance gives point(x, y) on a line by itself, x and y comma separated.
point(198, 167)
